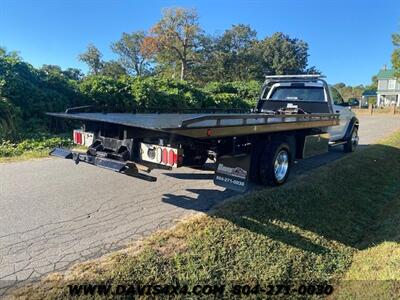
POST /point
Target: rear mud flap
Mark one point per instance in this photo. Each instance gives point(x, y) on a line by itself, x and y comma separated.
point(233, 172)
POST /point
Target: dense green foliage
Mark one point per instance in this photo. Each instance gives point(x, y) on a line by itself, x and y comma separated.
point(152, 93)
point(35, 143)
point(9, 116)
point(26, 93)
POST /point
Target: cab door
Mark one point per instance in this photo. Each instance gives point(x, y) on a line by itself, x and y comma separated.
point(339, 107)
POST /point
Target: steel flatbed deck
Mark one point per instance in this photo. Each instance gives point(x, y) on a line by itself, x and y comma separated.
point(206, 126)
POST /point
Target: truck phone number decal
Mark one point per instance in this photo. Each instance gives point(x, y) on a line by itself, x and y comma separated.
point(234, 178)
point(229, 180)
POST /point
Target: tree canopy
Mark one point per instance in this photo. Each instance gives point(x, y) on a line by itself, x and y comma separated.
point(93, 58)
point(131, 53)
point(177, 47)
point(175, 38)
point(396, 54)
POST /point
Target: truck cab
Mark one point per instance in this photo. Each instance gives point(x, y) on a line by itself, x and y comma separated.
point(311, 95)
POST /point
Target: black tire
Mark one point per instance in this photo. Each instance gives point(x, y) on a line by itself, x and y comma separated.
point(352, 141)
point(269, 156)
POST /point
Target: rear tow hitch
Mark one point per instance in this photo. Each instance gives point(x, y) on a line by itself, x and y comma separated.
point(130, 168)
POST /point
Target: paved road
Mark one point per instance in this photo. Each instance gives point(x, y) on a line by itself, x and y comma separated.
point(54, 214)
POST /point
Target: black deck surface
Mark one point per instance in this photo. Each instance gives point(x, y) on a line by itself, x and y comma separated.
point(149, 121)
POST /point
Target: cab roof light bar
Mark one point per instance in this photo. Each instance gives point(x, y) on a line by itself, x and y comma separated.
point(303, 76)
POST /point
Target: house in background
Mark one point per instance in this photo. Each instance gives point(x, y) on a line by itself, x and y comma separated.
point(367, 95)
point(388, 93)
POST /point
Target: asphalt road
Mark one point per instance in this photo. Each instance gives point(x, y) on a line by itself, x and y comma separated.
point(54, 214)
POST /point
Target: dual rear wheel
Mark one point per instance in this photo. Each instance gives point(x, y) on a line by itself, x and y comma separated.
point(274, 163)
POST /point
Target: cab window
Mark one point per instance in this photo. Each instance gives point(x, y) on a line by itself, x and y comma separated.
point(336, 97)
point(298, 93)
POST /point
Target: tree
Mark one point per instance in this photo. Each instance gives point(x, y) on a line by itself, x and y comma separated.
point(175, 38)
point(93, 58)
point(51, 69)
point(3, 51)
point(396, 54)
point(234, 56)
point(374, 84)
point(131, 52)
point(113, 69)
point(73, 74)
point(348, 92)
point(284, 55)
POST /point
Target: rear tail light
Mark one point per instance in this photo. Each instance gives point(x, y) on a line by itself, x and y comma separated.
point(172, 159)
point(165, 156)
point(83, 138)
point(78, 137)
point(161, 155)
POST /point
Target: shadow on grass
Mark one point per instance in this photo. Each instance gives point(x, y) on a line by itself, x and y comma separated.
point(342, 202)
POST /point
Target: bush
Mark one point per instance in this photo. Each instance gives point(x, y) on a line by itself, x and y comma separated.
point(32, 92)
point(156, 93)
point(9, 119)
point(26, 93)
point(234, 94)
point(108, 93)
point(35, 143)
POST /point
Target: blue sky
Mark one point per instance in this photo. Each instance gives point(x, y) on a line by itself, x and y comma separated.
point(349, 40)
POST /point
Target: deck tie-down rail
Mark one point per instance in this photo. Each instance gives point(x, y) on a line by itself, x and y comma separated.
point(217, 120)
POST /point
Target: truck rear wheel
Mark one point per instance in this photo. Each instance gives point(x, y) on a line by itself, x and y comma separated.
point(275, 163)
point(352, 141)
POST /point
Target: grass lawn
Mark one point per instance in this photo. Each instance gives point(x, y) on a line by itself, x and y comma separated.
point(34, 154)
point(337, 224)
point(32, 148)
point(25, 156)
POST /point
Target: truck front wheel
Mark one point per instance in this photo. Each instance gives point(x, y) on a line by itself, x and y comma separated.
point(352, 141)
point(275, 163)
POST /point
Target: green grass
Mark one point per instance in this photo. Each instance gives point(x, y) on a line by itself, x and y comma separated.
point(32, 154)
point(31, 147)
point(338, 223)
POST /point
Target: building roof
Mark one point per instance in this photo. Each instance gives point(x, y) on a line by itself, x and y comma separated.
point(369, 93)
point(385, 74)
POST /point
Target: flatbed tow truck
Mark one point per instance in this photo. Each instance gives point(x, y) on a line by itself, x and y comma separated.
point(297, 116)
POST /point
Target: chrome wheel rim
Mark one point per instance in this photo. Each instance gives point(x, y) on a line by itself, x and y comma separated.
point(281, 165)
